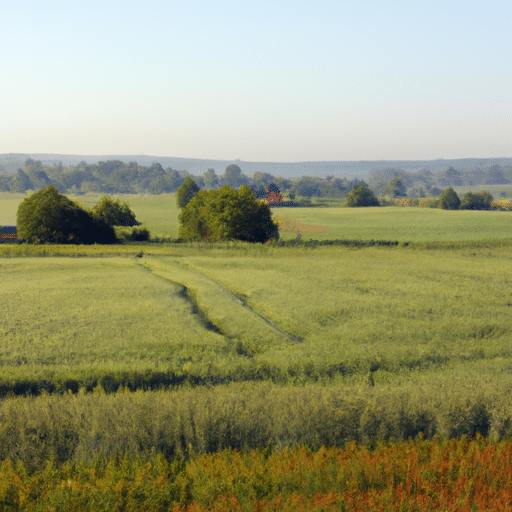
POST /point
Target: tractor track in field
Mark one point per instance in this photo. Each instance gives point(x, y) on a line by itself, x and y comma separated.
point(188, 297)
point(184, 293)
point(242, 303)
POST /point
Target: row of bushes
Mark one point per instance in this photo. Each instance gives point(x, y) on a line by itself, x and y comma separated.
point(450, 201)
point(347, 243)
point(180, 424)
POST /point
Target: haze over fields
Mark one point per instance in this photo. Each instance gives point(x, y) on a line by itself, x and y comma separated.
point(323, 81)
point(9, 163)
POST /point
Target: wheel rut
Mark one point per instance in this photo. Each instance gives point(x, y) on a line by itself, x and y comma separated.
point(187, 293)
point(239, 301)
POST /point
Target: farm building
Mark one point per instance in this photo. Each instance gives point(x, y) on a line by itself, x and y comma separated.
point(274, 197)
point(269, 195)
point(8, 233)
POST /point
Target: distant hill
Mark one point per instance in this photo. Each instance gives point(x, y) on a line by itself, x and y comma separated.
point(9, 162)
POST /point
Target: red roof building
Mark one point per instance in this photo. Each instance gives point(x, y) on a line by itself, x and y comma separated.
point(274, 198)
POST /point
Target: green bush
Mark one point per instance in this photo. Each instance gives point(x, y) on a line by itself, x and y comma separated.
point(114, 213)
point(227, 214)
point(139, 235)
point(49, 217)
point(361, 195)
point(449, 200)
point(480, 201)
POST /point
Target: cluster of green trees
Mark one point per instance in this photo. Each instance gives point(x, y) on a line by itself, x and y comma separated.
point(449, 200)
point(225, 214)
point(425, 183)
point(115, 176)
point(49, 217)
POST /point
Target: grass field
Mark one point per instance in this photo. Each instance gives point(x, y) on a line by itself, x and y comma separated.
point(159, 214)
point(393, 223)
point(286, 308)
point(194, 348)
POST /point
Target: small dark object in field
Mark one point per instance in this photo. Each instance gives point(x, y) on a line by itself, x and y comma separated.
point(139, 255)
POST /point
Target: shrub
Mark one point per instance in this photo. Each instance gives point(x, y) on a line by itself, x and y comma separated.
point(227, 214)
point(449, 200)
point(361, 195)
point(49, 217)
point(114, 213)
point(138, 235)
point(480, 201)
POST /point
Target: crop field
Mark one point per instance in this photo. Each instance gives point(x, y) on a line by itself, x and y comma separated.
point(230, 314)
point(393, 223)
point(159, 214)
point(192, 349)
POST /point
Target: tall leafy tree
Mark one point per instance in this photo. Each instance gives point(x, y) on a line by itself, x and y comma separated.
point(186, 192)
point(308, 186)
point(21, 182)
point(263, 177)
point(227, 214)
point(454, 177)
point(114, 213)
point(175, 180)
point(395, 188)
point(39, 179)
point(495, 176)
point(49, 217)
point(449, 200)
point(211, 180)
point(232, 175)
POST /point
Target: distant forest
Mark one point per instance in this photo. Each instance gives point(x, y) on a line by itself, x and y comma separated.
point(115, 176)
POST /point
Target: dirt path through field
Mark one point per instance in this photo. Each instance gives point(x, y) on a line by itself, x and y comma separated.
point(289, 225)
point(222, 313)
point(242, 303)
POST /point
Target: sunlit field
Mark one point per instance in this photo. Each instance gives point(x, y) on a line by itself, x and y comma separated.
point(159, 214)
point(111, 362)
point(411, 224)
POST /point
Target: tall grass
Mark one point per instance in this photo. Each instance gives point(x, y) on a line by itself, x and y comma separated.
point(230, 313)
point(180, 424)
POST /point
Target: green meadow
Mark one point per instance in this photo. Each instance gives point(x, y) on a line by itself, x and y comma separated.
point(393, 223)
point(159, 214)
point(197, 347)
point(292, 314)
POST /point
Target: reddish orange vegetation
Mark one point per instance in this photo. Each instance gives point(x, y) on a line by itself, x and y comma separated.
point(458, 475)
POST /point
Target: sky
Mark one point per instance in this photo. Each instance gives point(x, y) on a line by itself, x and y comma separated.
point(259, 81)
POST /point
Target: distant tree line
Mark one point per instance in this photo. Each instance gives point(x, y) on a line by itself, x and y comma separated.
point(114, 176)
point(424, 183)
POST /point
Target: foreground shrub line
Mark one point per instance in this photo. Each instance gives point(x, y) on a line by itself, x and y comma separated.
point(130, 249)
point(184, 423)
point(456, 475)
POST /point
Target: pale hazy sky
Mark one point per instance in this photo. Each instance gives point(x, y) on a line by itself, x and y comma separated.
point(281, 81)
